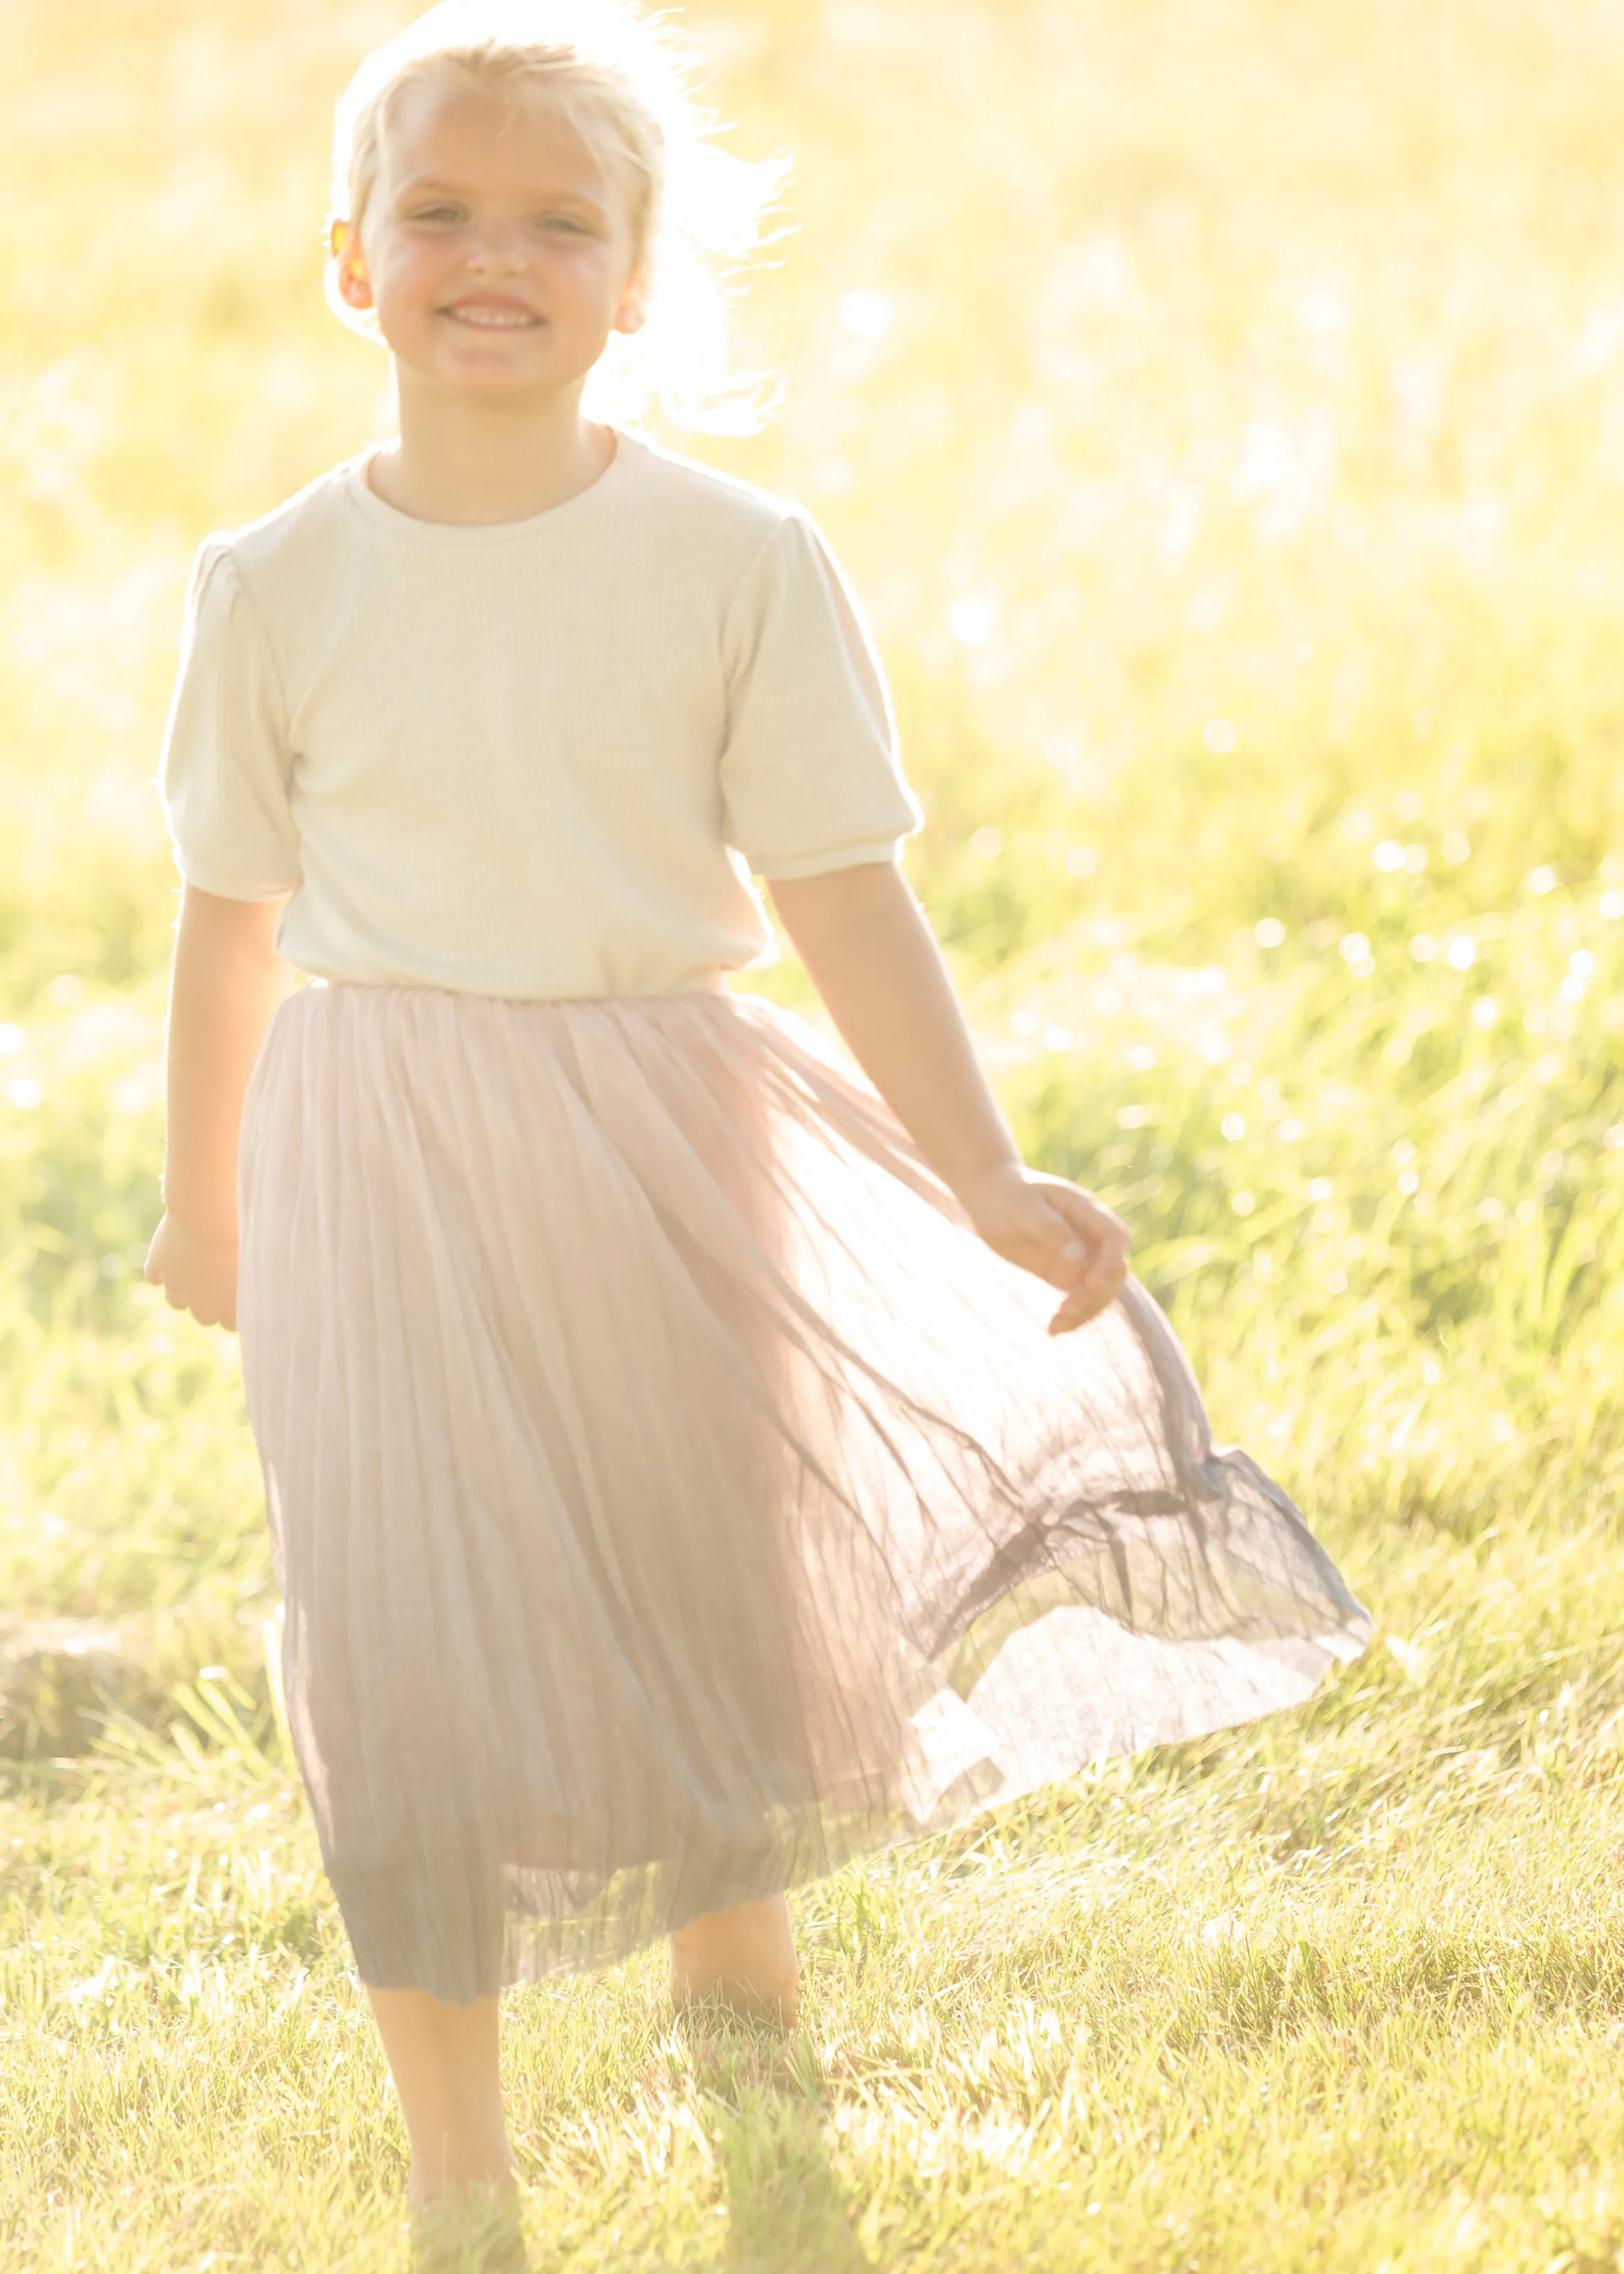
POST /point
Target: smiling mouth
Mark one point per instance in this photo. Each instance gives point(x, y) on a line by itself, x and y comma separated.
point(494, 319)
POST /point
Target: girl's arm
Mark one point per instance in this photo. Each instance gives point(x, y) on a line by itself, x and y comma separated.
point(227, 978)
point(871, 956)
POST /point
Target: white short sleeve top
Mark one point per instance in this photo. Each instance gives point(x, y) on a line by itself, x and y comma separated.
point(537, 759)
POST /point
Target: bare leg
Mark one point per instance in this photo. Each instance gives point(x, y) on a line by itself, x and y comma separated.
point(745, 1955)
point(443, 2060)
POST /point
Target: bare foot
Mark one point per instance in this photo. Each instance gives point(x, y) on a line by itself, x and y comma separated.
point(464, 2227)
point(745, 1956)
point(469, 2168)
point(425, 2190)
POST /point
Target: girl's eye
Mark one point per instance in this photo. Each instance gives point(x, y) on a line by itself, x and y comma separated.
point(565, 222)
point(438, 213)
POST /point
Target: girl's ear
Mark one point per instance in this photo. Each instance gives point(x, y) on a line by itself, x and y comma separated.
point(350, 265)
point(633, 314)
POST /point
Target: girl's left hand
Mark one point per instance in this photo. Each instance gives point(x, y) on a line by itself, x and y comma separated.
point(1056, 1230)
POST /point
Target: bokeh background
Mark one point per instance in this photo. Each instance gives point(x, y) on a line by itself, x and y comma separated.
point(1220, 406)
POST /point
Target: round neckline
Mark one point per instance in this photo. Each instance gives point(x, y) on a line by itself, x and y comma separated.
point(461, 533)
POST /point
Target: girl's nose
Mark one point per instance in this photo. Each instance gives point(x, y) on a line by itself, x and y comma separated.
point(497, 251)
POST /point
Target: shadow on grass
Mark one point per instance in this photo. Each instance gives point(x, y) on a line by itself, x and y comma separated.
point(787, 2208)
point(787, 2211)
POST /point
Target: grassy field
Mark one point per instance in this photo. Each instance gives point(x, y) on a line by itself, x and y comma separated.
point(1221, 410)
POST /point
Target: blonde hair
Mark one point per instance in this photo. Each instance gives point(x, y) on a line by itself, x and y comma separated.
point(694, 210)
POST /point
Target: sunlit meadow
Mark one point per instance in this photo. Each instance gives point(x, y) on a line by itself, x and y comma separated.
point(1221, 406)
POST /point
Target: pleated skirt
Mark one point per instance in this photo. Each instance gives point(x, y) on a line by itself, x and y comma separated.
point(672, 1496)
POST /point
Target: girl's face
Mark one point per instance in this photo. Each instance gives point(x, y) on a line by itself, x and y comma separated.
point(496, 249)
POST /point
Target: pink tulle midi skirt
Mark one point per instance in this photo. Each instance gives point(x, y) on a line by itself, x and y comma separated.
point(672, 1497)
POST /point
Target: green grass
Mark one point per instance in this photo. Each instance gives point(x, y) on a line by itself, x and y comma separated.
point(1337, 1992)
point(1236, 489)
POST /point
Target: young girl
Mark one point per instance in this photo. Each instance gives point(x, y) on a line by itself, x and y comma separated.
point(678, 1480)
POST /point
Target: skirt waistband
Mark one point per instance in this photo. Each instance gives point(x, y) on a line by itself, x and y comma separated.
point(715, 984)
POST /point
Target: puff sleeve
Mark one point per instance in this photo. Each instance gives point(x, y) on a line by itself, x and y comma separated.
point(810, 776)
point(225, 767)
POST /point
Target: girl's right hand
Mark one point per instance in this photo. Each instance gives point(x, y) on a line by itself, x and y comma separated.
point(196, 1274)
